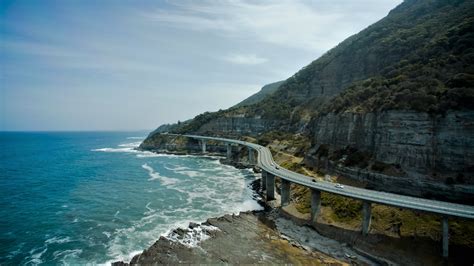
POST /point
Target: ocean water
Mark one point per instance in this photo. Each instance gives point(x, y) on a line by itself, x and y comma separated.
point(89, 197)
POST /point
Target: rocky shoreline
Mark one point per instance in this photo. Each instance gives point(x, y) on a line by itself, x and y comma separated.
point(254, 237)
point(279, 235)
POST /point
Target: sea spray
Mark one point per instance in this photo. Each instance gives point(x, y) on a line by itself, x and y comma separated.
point(75, 198)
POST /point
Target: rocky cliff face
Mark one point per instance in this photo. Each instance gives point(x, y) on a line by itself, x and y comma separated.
point(179, 145)
point(228, 126)
point(391, 105)
point(398, 150)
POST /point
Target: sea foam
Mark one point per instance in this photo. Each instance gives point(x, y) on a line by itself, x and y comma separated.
point(156, 176)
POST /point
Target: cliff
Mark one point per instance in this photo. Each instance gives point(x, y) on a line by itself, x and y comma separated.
point(416, 153)
point(392, 105)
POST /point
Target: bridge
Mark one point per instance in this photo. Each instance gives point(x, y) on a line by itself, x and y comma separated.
point(270, 170)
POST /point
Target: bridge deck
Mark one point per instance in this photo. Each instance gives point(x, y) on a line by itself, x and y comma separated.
point(266, 162)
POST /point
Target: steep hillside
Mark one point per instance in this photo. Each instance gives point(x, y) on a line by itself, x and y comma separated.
point(391, 106)
point(420, 57)
point(266, 90)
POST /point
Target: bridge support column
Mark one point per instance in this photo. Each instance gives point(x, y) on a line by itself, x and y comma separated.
point(229, 151)
point(366, 217)
point(203, 146)
point(315, 204)
point(270, 186)
point(251, 159)
point(285, 192)
point(445, 236)
point(264, 180)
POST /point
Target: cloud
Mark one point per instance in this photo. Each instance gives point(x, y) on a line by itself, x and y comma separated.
point(315, 26)
point(77, 56)
point(157, 56)
point(245, 59)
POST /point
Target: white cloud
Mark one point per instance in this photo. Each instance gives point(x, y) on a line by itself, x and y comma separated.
point(315, 26)
point(158, 56)
point(245, 59)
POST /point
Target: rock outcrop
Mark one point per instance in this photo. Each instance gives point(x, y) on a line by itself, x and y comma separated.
point(417, 153)
point(392, 105)
point(250, 126)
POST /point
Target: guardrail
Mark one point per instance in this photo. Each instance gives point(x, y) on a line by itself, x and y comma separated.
point(271, 170)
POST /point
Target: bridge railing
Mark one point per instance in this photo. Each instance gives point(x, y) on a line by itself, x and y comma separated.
point(271, 170)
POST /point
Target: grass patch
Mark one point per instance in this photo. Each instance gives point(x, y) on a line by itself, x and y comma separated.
point(344, 209)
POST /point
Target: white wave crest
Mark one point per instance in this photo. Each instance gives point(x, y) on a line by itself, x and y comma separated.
point(149, 154)
point(193, 236)
point(176, 167)
point(150, 210)
point(132, 144)
point(67, 254)
point(220, 190)
point(131, 150)
point(58, 240)
point(35, 257)
point(154, 175)
point(191, 174)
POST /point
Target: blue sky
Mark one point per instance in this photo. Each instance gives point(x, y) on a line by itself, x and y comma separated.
point(132, 65)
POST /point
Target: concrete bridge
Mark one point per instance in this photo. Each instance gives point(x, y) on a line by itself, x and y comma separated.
point(270, 170)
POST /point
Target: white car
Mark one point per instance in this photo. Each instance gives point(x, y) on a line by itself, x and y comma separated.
point(339, 186)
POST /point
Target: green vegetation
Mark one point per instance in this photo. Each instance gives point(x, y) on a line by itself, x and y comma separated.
point(165, 142)
point(344, 209)
point(433, 54)
point(295, 143)
point(266, 90)
point(197, 122)
point(420, 58)
point(387, 220)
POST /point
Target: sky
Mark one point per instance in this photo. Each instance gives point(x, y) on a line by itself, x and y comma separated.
point(134, 65)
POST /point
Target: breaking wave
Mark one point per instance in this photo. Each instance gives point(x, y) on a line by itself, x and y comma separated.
point(156, 176)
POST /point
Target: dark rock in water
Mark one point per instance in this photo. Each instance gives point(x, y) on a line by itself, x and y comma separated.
point(193, 225)
point(240, 239)
point(256, 184)
point(256, 169)
point(180, 232)
point(119, 263)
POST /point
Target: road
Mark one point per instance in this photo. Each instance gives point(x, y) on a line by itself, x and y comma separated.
point(266, 162)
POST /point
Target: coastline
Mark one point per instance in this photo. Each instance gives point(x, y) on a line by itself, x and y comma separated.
point(188, 245)
point(250, 237)
point(246, 238)
point(280, 231)
point(328, 239)
point(186, 242)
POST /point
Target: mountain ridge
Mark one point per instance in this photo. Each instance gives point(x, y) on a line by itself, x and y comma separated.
point(397, 98)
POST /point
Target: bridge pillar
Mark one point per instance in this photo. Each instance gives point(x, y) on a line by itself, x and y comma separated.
point(229, 151)
point(251, 159)
point(315, 204)
point(270, 186)
point(445, 236)
point(203, 146)
point(366, 216)
point(264, 180)
point(285, 192)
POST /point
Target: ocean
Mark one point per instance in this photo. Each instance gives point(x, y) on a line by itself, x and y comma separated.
point(89, 197)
